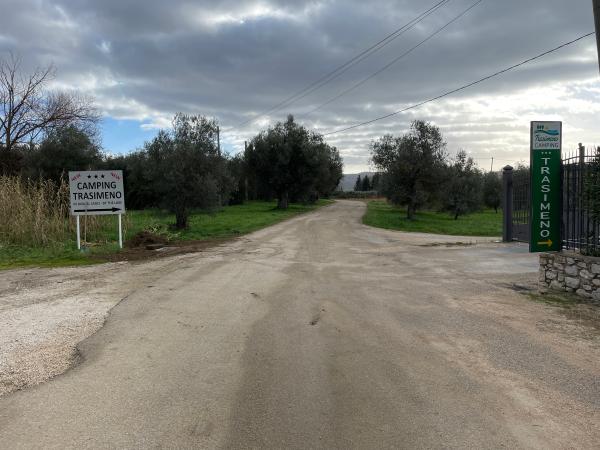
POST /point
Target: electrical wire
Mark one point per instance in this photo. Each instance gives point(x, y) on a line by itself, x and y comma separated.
point(348, 64)
point(462, 88)
point(394, 61)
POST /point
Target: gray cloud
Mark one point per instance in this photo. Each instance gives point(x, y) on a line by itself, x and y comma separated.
point(232, 59)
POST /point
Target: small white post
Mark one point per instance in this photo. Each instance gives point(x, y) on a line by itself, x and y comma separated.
point(78, 233)
point(120, 232)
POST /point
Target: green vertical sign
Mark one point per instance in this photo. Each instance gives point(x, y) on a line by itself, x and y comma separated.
point(546, 146)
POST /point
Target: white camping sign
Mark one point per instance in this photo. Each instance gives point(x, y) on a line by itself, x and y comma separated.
point(96, 192)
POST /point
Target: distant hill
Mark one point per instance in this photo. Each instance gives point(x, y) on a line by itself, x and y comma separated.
point(349, 180)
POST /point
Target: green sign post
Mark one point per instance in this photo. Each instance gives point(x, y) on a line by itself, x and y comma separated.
point(546, 146)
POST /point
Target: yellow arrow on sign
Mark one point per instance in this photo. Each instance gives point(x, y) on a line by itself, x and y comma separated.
point(548, 243)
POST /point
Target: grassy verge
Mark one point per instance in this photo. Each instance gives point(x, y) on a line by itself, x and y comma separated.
point(383, 215)
point(564, 300)
point(229, 222)
point(574, 308)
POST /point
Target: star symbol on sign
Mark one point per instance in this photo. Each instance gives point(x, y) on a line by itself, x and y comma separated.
point(89, 176)
point(96, 176)
point(101, 176)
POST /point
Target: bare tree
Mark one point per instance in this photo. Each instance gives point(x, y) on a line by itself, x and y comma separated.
point(28, 110)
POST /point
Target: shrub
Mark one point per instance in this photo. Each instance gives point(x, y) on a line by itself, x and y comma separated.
point(354, 194)
point(33, 213)
point(36, 214)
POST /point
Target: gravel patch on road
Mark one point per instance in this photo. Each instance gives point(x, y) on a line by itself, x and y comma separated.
point(38, 342)
point(45, 313)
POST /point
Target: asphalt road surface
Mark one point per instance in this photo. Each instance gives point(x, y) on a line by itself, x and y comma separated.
point(321, 332)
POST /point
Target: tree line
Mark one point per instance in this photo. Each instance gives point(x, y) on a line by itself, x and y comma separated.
point(182, 168)
point(416, 172)
point(44, 134)
point(367, 184)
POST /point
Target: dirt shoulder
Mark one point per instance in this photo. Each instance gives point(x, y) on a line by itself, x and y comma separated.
point(147, 253)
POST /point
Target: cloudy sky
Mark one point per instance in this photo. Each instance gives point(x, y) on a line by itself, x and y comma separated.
point(233, 60)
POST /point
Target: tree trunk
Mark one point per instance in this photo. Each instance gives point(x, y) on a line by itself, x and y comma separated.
point(410, 211)
point(283, 201)
point(181, 220)
point(456, 215)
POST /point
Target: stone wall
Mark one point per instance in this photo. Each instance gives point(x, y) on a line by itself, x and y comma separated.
point(571, 272)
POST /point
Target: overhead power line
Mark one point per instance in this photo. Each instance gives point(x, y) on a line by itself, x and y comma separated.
point(348, 64)
point(462, 88)
point(394, 61)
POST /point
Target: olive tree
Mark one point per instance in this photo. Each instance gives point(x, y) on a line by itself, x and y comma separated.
point(186, 168)
point(411, 165)
point(462, 192)
point(293, 163)
point(492, 190)
point(592, 187)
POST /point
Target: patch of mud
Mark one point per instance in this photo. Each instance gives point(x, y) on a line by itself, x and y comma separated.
point(447, 244)
point(145, 238)
point(524, 287)
point(142, 253)
point(316, 318)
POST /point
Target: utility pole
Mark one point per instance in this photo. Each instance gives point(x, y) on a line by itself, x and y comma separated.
point(492, 168)
point(596, 4)
point(245, 172)
point(219, 153)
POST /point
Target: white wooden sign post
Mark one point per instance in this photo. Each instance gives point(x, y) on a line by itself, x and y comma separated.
point(95, 193)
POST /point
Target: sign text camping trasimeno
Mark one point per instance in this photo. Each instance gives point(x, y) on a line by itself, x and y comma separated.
point(546, 146)
point(97, 192)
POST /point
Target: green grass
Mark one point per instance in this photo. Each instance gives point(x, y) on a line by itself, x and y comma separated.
point(229, 222)
point(58, 255)
point(383, 215)
point(564, 300)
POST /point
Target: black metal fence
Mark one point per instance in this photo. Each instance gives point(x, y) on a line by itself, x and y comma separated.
point(581, 201)
point(516, 201)
point(580, 178)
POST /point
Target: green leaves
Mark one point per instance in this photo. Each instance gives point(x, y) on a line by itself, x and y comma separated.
point(292, 163)
point(412, 165)
point(592, 187)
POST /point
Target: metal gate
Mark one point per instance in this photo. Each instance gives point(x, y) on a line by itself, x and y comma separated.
point(521, 205)
point(580, 180)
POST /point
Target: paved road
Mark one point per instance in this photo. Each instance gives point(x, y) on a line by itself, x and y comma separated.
point(323, 333)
